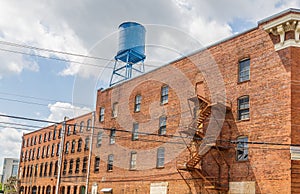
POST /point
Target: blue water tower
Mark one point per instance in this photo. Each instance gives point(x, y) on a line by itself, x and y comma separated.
point(131, 55)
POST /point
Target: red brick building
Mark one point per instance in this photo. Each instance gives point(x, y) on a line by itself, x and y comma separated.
point(44, 166)
point(221, 120)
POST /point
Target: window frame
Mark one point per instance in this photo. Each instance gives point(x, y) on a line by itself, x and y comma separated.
point(135, 129)
point(164, 95)
point(241, 112)
point(133, 159)
point(244, 74)
point(101, 114)
point(162, 125)
point(242, 144)
point(89, 125)
point(137, 103)
point(99, 138)
point(160, 160)
point(97, 164)
point(110, 162)
point(112, 136)
point(114, 112)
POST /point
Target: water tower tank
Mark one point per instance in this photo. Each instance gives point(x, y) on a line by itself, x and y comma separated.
point(131, 42)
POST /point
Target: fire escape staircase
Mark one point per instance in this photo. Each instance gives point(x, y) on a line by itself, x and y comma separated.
point(197, 133)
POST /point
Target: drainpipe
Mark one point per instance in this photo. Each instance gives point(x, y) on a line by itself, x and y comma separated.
point(90, 154)
point(61, 149)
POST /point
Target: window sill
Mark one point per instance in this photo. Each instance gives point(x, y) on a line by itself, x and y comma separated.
point(242, 120)
point(109, 170)
point(160, 167)
point(242, 82)
point(163, 104)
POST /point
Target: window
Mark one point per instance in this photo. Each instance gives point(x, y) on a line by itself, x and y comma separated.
point(101, 115)
point(133, 160)
point(28, 142)
point(31, 170)
point(97, 164)
point(73, 146)
point(99, 139)
point(57, 149)
point(33, 152)
point(50, 168)
point(67, 147)
point(77, 165)
point(110, 162)
point(48, 151)
point(54, 133)
point(164, 94)
point(14, 170)
point(29, 157)
point(26, 155)
point(137, 104)
point(160, 157)
point(68, 129)
point(65, 167)
point(81, 126)
point(44, 151)
point(79, 145)
point(36, 170)
point(35, 140)
point(112, 136)
point(84, 164)
point(114, 113)
point(244, 70)
point(135, 129)
point(243, 108)
point(87, 144)
point(242, 149)
point(162, 125)
point(56, 168)
point(74, 129)
point(71, 166)
point(41, 170)
point(59, 133)
point(49, 136)
point(53, 150)
point(40, 138)
point(46, 168)
point(89, 125)
point(45, 137)
point(38, 153)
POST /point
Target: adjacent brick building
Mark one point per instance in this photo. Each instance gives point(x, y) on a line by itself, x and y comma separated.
point(222, 120)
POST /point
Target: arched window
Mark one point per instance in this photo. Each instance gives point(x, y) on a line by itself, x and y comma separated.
point(50, 168)
point(79, 145)
point(41, 169)
point(48, 190)
point(81, 126)
point(56, 168)
point(73, 146)
point(46, 168)
point(87, 143)
point(67, 147)
point(89, 125)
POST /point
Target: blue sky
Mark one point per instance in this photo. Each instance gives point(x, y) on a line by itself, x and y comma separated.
point(90, 28)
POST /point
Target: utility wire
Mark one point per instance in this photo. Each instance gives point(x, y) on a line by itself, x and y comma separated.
point(127, 131)
point(38, 98)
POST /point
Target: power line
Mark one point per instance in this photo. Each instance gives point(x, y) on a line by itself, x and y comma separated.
point(127, 131)
point(38, 104)
point(38, 98)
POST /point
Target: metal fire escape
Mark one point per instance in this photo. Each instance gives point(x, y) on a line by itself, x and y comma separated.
point(197, 132)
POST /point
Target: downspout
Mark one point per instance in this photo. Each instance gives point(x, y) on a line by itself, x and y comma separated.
point(90, 154)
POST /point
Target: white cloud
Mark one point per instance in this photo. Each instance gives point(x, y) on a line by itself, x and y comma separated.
point(60, 110)
point(10, 139)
